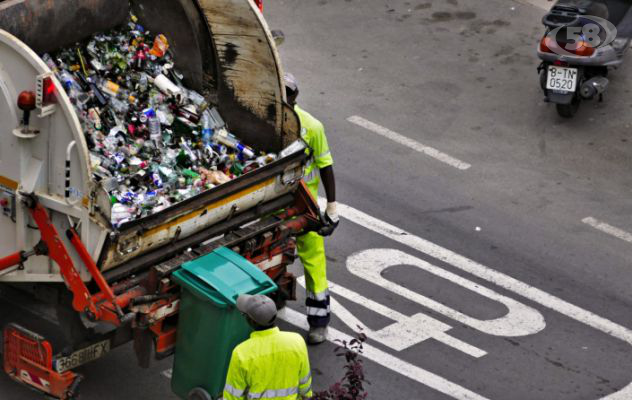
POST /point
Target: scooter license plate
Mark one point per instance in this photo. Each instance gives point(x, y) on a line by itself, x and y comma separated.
point(562, 79)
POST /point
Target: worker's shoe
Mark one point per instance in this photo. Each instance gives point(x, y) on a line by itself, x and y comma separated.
point(317, 335)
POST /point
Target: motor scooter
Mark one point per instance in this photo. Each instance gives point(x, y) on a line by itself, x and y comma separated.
point(583, 42)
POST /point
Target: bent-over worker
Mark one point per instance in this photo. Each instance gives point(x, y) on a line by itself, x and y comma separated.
point(271, 364)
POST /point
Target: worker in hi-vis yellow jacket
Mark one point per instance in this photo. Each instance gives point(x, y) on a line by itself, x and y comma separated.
point(311, 246)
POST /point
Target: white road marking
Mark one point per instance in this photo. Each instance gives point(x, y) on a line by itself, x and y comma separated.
point(413, 144)
point(405, 333)
point(388, 361)
point(167, 373)
point(520, 320)
point(609, 229)
point(505, 281)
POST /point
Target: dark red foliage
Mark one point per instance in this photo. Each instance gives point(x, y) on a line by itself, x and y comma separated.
point(351, 387)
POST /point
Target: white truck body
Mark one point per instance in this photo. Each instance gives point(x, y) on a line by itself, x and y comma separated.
point(243, 67)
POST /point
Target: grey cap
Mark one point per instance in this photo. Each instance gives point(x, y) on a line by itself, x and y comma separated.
point(290, 82)
point(259, 308)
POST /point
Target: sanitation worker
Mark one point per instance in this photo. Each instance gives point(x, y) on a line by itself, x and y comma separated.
point(271, 364)
point(311, 246)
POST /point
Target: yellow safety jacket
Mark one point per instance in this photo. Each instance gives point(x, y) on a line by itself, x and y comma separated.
point(313, 133)
point(270, 365)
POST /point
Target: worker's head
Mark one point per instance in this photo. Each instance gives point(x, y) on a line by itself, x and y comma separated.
point(260, 310)
point(291, 88)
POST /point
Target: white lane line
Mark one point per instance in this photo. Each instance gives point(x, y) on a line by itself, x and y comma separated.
point(498, 278)
point(413, 144)
point(388, 361)
point(167, 373)
point(609, 229)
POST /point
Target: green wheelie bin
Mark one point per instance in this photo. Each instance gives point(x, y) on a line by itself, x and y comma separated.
point(210, 326)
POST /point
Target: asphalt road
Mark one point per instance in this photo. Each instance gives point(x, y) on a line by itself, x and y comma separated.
point(496, 287)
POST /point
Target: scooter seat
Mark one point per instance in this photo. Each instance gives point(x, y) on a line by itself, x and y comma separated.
point(562, 14)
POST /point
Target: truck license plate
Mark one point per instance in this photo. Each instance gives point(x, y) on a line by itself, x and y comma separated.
point(82, 356)
point(562, 79)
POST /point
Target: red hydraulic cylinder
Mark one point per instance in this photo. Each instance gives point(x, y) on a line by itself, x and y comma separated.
point(89, 263)
point(11, 261)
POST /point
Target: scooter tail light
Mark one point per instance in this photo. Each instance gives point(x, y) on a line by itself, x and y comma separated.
point(584, 50)
point(545, 45)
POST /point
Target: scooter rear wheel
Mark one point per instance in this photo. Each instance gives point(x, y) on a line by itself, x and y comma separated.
point(568, 110)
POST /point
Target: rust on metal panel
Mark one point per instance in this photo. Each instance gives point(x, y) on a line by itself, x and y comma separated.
point(47, 25)
point(250, 86)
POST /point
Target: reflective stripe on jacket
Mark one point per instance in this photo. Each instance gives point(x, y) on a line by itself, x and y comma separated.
point(270, 365)
point(313, 133)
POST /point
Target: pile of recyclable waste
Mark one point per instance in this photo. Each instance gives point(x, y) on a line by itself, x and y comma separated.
point(152, 141)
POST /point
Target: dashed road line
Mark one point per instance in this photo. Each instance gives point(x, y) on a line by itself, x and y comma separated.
point(609, 229)
point(413, 144)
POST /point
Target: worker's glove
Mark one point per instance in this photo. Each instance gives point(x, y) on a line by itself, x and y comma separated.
point(331, 220)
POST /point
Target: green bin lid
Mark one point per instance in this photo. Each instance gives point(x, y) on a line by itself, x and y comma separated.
point(222, 276)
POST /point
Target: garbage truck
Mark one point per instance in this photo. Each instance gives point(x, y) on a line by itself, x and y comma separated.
point(110, 285)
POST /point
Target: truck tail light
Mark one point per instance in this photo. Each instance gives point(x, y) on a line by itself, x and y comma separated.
point(48, 91)
point(259, 4)
point(45, 95)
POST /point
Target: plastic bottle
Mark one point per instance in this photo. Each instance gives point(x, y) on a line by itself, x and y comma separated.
point(143, 83)
point(222, 136)
point(199, 100)
point(188, 151)
point(207, 130)
point(115, 90)
point(73, 89)
point(155, 131)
